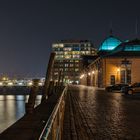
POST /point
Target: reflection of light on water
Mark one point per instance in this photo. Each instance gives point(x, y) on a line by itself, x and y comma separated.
point(20, 105)
point(7, 111)
point(12, 107)
point(20, 97)
point(10, 97)
point(38, 99)
point(1, 97)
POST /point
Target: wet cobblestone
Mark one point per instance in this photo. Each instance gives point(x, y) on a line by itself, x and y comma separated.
point(93, 114)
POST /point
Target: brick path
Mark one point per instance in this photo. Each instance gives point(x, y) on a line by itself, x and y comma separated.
point(92, 114)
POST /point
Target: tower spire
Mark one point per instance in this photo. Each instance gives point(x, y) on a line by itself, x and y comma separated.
point(111, 28)
point(136, 28)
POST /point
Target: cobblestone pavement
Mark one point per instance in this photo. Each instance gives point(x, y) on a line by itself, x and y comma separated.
point(93, 114)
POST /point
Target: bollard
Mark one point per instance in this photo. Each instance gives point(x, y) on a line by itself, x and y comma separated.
point(51, 88)
point(29, 107)
point(58, 87)
point(59, 78)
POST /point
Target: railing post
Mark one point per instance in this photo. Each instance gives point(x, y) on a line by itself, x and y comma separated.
point(51, 88)
point(48, 77)
point(32, 97)
point(59, 78)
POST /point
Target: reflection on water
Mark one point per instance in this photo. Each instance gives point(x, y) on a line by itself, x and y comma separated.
point(12, 107)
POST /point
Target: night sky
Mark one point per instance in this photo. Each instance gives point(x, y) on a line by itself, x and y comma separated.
point(29, 27)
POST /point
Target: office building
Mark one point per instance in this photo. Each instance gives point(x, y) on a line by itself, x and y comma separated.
point(68, 59)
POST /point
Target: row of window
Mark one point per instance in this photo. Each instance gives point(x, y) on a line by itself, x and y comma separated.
point(71, 49)
point(67, 61)
point(68, 56)
point(66, 69)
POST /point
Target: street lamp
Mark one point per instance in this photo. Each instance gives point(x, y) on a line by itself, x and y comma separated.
point(118, 70)
point(82, 76)
point(89, 73)
point(93, 72)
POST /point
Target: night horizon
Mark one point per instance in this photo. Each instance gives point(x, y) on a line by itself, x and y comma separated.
point(28, 29)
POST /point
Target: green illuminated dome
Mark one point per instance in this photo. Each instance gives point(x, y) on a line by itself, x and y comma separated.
point(109, 44)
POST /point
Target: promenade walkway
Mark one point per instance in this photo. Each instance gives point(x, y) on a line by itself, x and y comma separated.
point(92, 114)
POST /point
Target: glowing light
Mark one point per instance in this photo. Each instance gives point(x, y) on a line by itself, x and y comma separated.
point(1, 84)
point(132, 48)
point(118, 69)
point(82, 76)
point(40, 84)
point(10, 84)
point(20, 84)
point(109, 44)
point(4, 78)
point(93, 72)
point(30, 83)
point(89, 73)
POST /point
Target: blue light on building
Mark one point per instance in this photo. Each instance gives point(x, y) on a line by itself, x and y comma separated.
point(132, 48)
point(109, 44)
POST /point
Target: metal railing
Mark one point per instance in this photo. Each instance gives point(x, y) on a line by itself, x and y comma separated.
point(54, 126)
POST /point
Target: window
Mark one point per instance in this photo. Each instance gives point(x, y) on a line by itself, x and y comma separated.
point(66, 65)
point(112, 79)
point(126, 76)
point(76, 70)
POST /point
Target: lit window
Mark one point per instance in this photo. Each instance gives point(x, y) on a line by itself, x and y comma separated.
point(76, 70)
point(61, 45)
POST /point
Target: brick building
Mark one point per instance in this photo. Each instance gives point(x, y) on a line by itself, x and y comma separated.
point(116, 63)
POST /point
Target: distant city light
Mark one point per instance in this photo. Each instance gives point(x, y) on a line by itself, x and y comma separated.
point(30, 83)
point(40, 84)
point(5, 81)
point(10, 84)
point(1, 84)
point(20, 84)
point(4, 78)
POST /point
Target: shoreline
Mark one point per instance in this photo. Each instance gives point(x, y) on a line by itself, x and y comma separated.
point(17, 90)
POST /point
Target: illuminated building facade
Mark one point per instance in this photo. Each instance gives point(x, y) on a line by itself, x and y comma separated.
point(121, 64)
point(68, 58)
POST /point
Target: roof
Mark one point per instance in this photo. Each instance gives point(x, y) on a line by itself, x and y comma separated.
point(109, 44)
point(126, 49)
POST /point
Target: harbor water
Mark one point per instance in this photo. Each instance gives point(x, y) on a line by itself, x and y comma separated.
point(12, 108)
